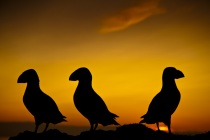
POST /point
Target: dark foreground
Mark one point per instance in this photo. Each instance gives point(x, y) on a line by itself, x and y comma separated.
point(125, 132)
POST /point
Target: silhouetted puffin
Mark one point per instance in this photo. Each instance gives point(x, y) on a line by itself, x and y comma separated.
point(88, 102)
point(39, 104)
point(166, 101)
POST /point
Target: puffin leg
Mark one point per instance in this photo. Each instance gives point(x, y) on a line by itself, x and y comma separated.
point(158, 126)
point(91, 126)
point(168, 123)
point(47, 124)
point(169, 126)
point(37, 123)
point(96, 125)
point(36, 128)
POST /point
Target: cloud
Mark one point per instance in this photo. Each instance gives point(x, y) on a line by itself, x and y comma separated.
point(132, 15)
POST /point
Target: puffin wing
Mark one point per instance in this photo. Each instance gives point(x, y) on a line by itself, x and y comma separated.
point(104, 116)
point(92, 106)
point(157, 108)
point(48, 110)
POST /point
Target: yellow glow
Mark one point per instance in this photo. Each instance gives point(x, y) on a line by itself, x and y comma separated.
point(163, 128)
point(126, 66)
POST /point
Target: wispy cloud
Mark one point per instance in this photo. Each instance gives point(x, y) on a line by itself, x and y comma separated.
point(132, 15)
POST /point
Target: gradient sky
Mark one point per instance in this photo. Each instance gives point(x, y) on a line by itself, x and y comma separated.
point(126, 44)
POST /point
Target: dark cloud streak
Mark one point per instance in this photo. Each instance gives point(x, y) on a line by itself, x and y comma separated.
point(132, 15)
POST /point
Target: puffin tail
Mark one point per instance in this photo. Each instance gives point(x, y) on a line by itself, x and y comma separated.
point(110, 120)
point(143, 121)
point(64, 119)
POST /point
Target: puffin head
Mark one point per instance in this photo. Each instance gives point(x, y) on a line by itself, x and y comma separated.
point(28, 76)
point(172, 73)
point(81, 74)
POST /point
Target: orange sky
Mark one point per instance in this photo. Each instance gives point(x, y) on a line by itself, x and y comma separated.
point(126, 44)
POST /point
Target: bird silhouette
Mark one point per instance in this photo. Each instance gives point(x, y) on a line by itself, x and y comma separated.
point(164, 104)
point(39, 104)
point(88, 102)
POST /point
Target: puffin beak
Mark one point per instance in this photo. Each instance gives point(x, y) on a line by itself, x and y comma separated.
point(179, 74)
point(72, 77)
point(20, 79)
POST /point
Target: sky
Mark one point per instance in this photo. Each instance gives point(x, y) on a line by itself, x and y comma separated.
point(125, 44)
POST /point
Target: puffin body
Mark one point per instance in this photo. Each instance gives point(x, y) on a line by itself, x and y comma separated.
point(88, 102)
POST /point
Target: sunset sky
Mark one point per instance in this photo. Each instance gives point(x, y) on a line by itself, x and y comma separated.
point(125, 44)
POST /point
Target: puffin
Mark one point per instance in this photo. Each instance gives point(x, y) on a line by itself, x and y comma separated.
point(39, 104)
point(164, 104)
point(88, 102)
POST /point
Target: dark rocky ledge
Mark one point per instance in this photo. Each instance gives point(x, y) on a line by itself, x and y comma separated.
point(125, 132)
